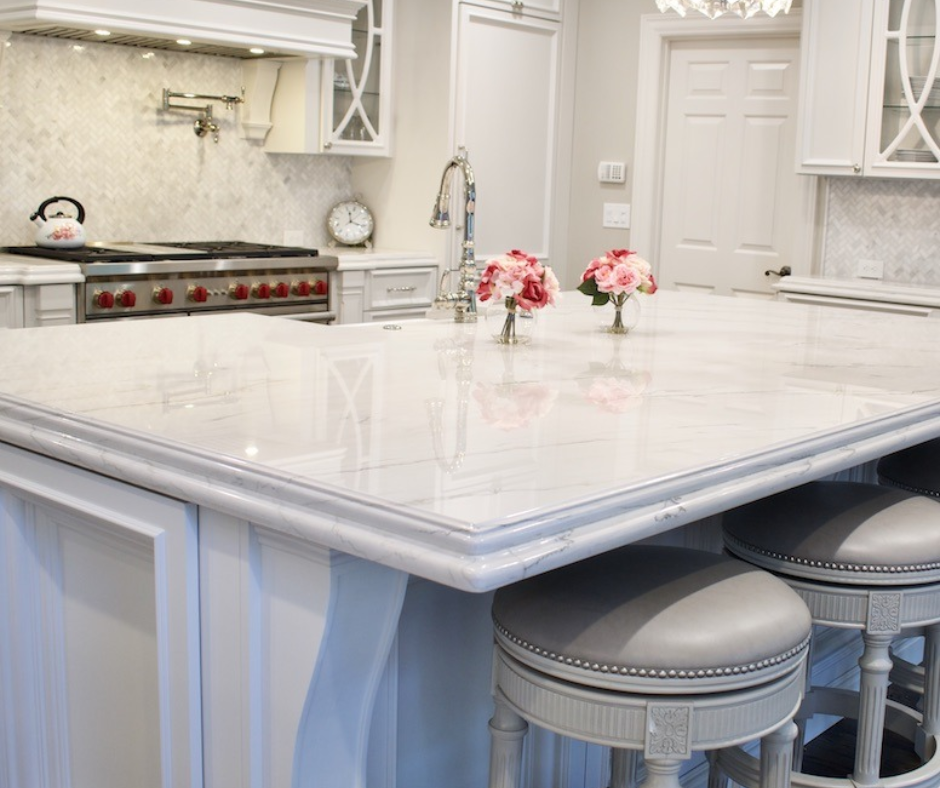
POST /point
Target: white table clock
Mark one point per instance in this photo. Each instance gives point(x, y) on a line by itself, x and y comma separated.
point(351, 223)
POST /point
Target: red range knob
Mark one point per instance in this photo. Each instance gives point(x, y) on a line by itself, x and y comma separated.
point(302, 288)
point(320, 287)
point(281, 290)
point(262, 291)
point(239, 292)
point(198, 293)
point(127, 298)
point(104, 300)
point(163, 295)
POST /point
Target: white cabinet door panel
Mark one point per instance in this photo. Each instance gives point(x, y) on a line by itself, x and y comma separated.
point(836, 54)
point(11, 307)
point(506, 98)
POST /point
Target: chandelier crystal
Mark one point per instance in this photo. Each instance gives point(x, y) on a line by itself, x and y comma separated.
point(715, 8)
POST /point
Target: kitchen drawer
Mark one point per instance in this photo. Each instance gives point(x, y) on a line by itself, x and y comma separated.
point(397, 288)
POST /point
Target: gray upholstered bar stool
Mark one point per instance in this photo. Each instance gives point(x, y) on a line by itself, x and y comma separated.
point(862, 557)
point(917, 470)
point(654, 649)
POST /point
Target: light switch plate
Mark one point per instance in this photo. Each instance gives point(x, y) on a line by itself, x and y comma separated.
point(617, 215)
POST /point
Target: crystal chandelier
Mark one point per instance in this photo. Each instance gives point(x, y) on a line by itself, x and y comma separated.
point(715, 8)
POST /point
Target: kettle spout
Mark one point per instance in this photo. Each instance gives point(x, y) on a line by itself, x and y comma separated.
point(37, 219)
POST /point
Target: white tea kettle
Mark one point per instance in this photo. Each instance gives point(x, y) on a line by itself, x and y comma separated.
point(59, 231)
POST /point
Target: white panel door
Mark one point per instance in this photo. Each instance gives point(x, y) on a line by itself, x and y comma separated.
point(731, 200)
point(505, 116)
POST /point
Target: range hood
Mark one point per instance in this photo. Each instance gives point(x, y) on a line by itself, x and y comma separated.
point(306, 28)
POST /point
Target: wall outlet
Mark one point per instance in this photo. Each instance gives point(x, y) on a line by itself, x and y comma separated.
point(870, 269)
point(617, 215)
point(293, 238)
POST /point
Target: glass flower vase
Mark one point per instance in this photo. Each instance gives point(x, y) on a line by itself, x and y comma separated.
point(512, 325)
point(626, 314)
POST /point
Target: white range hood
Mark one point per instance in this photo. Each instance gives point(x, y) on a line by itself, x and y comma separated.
point(308, 28)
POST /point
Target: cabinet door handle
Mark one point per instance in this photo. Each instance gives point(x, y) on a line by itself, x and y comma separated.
point(402, 289)
point(856, 168)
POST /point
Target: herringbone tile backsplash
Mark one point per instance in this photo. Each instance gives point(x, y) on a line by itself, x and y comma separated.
point(87, 122)
point(895, 221)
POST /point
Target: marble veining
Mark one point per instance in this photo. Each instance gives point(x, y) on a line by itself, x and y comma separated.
point(432, 449)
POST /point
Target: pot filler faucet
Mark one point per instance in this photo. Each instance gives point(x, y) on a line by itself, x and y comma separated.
point(464, 299)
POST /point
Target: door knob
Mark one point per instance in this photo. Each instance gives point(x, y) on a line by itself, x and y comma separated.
point(784, 271)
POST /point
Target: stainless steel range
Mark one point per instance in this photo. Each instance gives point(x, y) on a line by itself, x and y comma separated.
point(128, 280)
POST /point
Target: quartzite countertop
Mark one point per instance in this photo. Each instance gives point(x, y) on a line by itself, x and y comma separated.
point(431, 449)
point(20, 270)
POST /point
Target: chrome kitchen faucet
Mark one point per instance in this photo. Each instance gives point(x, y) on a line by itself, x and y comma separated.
point(464, 299)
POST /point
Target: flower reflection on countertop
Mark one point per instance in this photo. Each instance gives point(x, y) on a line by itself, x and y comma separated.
point(509, 406)
point(523, 283)
point(615, 277)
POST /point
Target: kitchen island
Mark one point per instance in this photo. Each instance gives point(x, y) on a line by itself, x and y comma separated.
point(259, 493)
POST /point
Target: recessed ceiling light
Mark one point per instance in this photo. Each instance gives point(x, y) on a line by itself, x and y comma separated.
point(103, 33)
point(183, 42)
point(256, 51)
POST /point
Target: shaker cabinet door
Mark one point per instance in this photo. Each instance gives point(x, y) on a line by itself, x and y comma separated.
point(506, 119)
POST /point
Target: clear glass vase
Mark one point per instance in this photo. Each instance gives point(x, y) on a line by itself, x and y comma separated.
point(626, 314)
point(512, 325)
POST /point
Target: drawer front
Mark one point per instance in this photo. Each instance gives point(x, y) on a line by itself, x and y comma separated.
point(401, 287)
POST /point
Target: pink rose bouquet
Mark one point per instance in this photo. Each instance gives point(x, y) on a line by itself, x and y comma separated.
point(519, 278)
point(617, 275)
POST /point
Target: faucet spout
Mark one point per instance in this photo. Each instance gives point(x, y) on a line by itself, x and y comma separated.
point(464, 298)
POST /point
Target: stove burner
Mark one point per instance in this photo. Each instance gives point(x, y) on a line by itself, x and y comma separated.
point(90, 254)
point(216, 249)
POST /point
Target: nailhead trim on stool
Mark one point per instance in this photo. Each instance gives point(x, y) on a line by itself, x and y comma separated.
point(659, 649)
point(864, 557)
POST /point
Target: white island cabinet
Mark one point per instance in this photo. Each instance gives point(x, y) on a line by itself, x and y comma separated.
point(259, 552)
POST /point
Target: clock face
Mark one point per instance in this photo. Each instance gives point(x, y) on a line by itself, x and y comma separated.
point(350, 223)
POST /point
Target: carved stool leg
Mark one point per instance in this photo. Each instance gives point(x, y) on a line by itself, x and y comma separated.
point(805, 712)
point(716, 777)
point(622, 768)
point(875, 664)
point(931, 700)
point(776, 756)
point(662, 773)
point(507, 732)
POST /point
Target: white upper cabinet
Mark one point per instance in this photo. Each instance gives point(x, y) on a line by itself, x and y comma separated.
point(337, 106)
point(868, 101)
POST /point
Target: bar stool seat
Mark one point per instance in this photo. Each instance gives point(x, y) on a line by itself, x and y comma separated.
point(863, 557)
point(915, 469)
point(659, 649)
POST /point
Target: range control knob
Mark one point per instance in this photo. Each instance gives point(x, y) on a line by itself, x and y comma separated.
point(127, 298)
point(104, 299)
point(281, 290)
point(198, 293)
point(320, 287)
point(239, 292)
point(262, 290)
point(163, 295)
point(302, 288)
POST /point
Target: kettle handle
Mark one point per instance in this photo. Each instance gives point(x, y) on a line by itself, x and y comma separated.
point(41, 210)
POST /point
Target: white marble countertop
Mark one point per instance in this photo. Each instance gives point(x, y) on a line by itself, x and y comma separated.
point(20, 270)
point(862, 289)
point(434, 450)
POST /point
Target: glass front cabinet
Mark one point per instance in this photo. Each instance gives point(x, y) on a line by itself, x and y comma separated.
point(328, 106)
point(870, 91)
point(357, 92)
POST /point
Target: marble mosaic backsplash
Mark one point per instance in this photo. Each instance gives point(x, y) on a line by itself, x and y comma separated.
point(86, 121)
point(895, 221)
